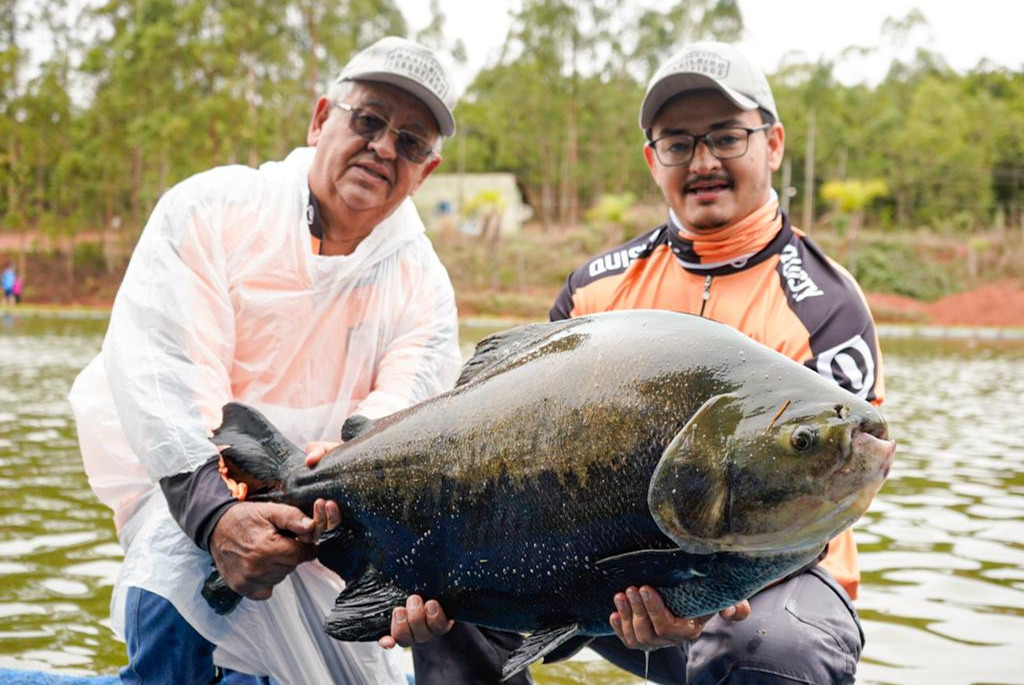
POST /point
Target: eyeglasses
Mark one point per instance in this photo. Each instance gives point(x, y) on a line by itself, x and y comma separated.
point(371, 127)
point(674, 149)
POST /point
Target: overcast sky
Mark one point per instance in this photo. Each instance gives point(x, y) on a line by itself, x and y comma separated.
point(962, 31)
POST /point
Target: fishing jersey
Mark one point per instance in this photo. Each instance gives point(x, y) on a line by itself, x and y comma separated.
point(789, 296)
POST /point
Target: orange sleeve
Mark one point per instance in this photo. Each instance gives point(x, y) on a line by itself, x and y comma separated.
point(842, 562)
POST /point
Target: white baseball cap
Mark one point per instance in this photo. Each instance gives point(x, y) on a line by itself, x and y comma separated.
point(704, 65)
point(411, 67)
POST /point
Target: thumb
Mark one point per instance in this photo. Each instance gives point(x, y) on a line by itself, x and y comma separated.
point(315, 451)
point(289, 518)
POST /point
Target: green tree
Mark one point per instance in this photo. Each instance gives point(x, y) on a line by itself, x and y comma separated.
point(559, 109)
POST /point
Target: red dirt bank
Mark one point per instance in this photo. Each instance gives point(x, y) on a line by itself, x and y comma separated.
point(995, 304)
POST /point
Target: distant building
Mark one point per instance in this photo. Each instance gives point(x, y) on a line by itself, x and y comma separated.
point(458, 201)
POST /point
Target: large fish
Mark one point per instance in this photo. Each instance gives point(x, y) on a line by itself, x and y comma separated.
point(576, 458)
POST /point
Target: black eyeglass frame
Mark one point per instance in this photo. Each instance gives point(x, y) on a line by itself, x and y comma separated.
point(422, 150)
point(706, 139)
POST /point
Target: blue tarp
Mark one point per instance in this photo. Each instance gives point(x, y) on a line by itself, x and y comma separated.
point(13, 677)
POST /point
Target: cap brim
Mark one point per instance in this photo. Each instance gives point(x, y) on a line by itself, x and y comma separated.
point(677, 84)
point(437, 107)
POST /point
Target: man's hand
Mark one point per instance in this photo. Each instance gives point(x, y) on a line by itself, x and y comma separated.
point(315, 451)
point(642, 621)
point(257, 544)
point(416, 622)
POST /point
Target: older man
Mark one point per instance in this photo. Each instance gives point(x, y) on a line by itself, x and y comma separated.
point(308, 289)
point(729, 253)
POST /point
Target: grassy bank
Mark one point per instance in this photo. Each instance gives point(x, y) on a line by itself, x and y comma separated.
point(519, 275)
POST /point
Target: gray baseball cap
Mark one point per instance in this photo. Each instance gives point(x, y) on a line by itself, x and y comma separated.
point(411, 67)
point(704, 65)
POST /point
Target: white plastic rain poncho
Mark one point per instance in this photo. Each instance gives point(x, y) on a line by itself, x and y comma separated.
point(224, 301)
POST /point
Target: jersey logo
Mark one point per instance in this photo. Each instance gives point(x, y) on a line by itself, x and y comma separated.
point(614, 261)
point(851, 362)
point(798, 282)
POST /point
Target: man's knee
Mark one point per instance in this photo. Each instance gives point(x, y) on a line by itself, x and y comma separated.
point(162, 646)
point(802, 631)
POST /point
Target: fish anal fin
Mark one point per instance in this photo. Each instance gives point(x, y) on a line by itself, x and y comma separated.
point(362, 612)
point(568, 649)
point(536, 646)
point(656, 567)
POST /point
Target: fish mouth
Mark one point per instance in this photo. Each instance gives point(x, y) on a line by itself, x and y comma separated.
point(870, 444)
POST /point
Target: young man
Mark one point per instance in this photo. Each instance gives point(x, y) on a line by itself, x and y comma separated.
point(726, 252)
point(308, 289)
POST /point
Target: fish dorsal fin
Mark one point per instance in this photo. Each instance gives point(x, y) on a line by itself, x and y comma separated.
point(354, 426)
point(497, 347)
point(537, 645)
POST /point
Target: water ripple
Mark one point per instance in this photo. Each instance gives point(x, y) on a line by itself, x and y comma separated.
point(942, 547)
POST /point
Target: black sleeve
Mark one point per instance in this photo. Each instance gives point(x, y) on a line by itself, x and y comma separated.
point(562, 308)
point(197, 500)
point(828, 303)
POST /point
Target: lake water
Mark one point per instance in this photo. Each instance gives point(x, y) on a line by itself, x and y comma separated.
point(942, 547)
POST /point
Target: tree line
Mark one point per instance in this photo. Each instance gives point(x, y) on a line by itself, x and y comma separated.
point(103, 106)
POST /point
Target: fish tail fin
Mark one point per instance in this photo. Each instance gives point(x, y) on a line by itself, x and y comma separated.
point(221, 598)
point(255, 456)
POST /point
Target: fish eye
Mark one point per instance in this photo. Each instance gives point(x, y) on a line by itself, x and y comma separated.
point(804, 438)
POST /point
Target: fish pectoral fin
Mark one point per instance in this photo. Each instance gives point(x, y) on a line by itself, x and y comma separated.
point(655, 567)
point(690, 491)
point(362, 612)
point(537, 645)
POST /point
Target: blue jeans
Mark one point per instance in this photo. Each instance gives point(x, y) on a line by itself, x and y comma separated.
point(163, 649)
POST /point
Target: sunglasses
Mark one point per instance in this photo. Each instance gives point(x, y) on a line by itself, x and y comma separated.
point(371, 127)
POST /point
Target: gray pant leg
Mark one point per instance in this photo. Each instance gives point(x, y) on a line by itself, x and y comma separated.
point(666, 666)
point(467, 655)
point(804, 630)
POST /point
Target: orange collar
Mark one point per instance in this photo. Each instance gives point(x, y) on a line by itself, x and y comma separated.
point(730, 244)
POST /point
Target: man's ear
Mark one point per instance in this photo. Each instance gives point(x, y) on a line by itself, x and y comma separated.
point(428, 168)
point(776, 145)
point(316, 124)
point(649, 158)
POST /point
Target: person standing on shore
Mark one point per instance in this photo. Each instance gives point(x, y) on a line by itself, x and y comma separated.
point(10, 282)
